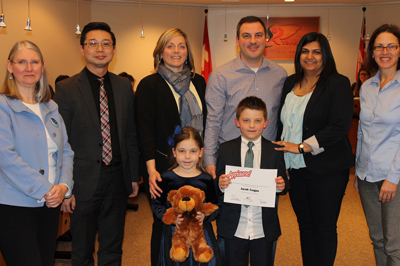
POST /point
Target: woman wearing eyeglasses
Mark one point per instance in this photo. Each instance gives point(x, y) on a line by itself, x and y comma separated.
point(378, 147)
point(35, 161)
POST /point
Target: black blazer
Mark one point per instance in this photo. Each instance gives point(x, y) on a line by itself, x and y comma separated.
point(76, 105)
point(157, 116)
point(229, 153)
point(328, 116)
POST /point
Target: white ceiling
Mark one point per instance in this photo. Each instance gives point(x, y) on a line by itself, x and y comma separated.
point(255, 2)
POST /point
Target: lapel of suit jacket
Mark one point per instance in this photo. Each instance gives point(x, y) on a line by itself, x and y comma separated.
point(264, 155)
point(236, 151)
point(118, 100)
point(87, 95)
point(313, 99)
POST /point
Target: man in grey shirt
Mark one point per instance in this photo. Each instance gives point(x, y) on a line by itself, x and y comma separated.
point(249, 74)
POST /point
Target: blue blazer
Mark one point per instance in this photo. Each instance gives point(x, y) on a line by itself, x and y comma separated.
point(24, 154)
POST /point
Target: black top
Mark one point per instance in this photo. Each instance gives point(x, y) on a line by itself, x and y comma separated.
point(328, 116)
point(95, 86)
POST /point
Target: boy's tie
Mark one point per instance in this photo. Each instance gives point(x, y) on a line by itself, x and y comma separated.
point(249, 158)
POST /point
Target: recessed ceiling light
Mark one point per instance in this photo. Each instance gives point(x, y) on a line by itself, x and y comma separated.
point(289, 0)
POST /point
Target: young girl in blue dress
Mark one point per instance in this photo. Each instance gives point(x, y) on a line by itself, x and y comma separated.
point(187, 170)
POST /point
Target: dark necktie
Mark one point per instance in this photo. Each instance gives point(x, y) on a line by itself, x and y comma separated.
point(249, 158)
point(105, 124)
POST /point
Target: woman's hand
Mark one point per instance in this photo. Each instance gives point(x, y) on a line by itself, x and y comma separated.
point(287, 146)
point(388, 192)
point(224, 181)
point(56, 195)
point(179, 220)
point(200, 217)
point(154, 176)
point(355, 185)
point(155, 190)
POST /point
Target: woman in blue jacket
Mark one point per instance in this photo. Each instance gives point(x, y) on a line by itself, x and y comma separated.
point(35, 161)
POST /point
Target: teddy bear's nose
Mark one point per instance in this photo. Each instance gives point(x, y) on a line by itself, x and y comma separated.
point(186, 199)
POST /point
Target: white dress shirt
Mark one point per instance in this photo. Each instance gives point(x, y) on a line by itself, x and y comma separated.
point(250, 222)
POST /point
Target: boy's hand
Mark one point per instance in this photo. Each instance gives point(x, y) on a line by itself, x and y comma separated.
point(224, 181)
point(280, 183)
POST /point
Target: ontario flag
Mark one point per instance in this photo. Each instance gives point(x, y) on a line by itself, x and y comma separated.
point(206, 66)
point(361, 48)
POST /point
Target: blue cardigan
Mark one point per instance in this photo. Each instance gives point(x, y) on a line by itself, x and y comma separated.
point(24, 155)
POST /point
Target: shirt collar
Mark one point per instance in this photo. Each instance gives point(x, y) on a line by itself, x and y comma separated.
point(92, 77)
point(377, 77)
point(257, 142)
point(240, 65)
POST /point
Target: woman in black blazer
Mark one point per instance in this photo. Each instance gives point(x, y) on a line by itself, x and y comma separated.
point(315, 116)
point(160, 108)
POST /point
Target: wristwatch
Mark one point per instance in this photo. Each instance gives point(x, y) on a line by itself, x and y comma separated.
point(301, 148)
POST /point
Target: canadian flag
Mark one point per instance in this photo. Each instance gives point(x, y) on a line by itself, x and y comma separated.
point(206, 66)
point(361, 48)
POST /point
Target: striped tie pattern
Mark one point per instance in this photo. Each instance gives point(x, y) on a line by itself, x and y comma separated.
point(105, 124)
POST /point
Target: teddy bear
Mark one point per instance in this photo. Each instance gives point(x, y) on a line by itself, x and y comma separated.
point(187, 201)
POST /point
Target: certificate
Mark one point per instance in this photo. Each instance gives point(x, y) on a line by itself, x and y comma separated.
point(251, 186)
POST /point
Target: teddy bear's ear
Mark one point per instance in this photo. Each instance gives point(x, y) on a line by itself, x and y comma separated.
point(202, 195)
point(171, 195)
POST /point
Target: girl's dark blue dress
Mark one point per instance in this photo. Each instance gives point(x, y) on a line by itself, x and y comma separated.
point(172, 181)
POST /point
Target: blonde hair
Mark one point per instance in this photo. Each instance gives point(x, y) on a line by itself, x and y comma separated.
point(10, 89)
point(162, 43)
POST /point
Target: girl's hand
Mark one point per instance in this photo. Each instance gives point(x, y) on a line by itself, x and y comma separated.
point(200, 217)
point(224, 181)
point(179, 220)
point(287, 146)
point(280, 183)
point(388, 192)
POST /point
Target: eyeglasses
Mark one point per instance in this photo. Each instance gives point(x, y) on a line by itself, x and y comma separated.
point(24, 63)
point(390, 48)
point(95, 45)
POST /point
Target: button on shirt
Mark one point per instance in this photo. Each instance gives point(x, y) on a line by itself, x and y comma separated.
point(250, 222)
point(378, 146)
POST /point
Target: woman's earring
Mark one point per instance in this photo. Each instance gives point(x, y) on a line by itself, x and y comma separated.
point(11, 76)
point(159, 60)
point(373, 56)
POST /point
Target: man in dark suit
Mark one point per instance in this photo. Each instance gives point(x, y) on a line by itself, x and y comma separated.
point(97, 107)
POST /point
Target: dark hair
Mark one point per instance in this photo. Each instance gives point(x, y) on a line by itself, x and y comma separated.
point(61, 77)
point(97, 26)
point(189, 133)
point(357, 86)
point(370, 62)
point(252, 103)
point(328, 62)
point(126, 75)
point(249, 19)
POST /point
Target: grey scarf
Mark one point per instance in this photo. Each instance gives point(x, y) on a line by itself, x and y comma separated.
point(190, 112)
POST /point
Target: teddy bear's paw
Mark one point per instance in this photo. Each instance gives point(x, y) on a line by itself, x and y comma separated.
point(205, 255)
point(179, 254)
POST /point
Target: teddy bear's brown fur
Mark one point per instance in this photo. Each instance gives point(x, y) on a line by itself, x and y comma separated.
point(188, 201)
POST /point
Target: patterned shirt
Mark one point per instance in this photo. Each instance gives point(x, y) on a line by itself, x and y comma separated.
point(227, 86)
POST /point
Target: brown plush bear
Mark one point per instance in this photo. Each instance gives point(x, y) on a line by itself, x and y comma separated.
point(188, 201)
